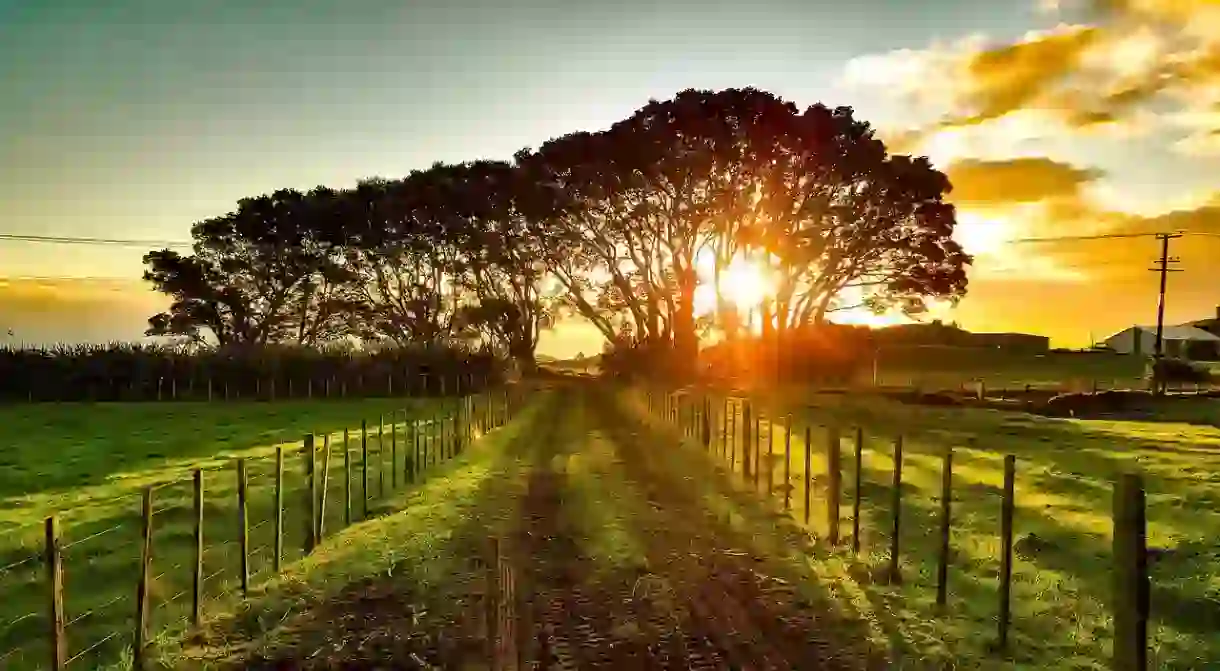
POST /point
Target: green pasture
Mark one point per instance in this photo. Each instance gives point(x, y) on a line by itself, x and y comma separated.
point(88, 465)
point(1063, 527)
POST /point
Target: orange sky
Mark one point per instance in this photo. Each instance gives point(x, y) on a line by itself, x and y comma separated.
point(1050, 120)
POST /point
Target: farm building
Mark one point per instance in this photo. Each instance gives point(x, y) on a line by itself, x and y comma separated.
point(950, 335)
point(1211, 325)
point(1187, 342)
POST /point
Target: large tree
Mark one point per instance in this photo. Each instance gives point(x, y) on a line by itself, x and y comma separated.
point(847, 225)
point(716, 174)
point(403, 263)
point(497, 210)
point(257, 275)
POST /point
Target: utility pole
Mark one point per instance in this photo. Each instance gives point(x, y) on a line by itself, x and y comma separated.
point(1163, 269)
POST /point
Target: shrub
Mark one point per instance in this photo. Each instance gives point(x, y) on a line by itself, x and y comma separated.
point(128, 372)
point(1180, 371)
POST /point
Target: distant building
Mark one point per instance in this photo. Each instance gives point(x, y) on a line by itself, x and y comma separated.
point(951, 335)
point(1211, 325)
point(1185, 342)
point(1023, 342)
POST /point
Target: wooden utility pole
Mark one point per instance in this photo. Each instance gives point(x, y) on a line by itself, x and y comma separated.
point(1163, 269)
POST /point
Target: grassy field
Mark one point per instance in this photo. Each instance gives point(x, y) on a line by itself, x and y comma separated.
point(1062, 572)
point(951, 367)
point(88, 464)
point(417, 562)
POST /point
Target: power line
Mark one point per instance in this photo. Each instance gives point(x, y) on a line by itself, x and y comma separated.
point(1100, 236)
point(125, 242)
point(76, 240)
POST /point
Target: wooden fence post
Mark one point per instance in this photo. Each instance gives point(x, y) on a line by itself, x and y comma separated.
point(896, 511)
point(142, 600)
point(394, 449)
point(834, 468)
point(409, 447)
point(243, 527)
point(278, 559)
point(808, 468)
point(1006, 531)
point(309, 454)
point(855, 498)
point(946, 516)
point(770, 459)
point(436, 435)
point(55, 583)
point(1131, 582)
point(197, 568)
point(325, 486)
point(724, 430)
point(746, 445)
point(380, 456)
point(421, 455)
point(732, 447)
point(491, 603)
point(364, 469)
point(347, 479)
point(788, 462)
point(705, 416)
point(758, 448)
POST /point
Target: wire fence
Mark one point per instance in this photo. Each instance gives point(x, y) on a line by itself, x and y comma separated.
point(82, 594)
point(1019, 552)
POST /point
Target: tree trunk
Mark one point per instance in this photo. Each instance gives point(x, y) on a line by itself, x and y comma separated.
point(686, 341)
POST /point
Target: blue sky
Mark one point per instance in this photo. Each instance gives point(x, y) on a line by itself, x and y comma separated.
point(134, 119)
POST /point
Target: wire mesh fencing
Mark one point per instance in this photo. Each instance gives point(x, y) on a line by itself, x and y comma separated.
point(96, 585)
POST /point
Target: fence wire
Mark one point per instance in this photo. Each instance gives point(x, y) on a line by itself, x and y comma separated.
point(100, 545)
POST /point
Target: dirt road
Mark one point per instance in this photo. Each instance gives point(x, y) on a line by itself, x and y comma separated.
point(619, 564)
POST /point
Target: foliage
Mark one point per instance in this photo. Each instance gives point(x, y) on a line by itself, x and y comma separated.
point(121, 372)
point(619, 226)
point(1180, 371)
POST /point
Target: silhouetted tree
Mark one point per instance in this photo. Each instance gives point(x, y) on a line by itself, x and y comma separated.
point(257, 275)
point(611, 225)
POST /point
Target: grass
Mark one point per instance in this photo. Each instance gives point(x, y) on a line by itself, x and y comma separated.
point(88, 464)
point(426, 548)
point(951, 367)
point(1063, 568)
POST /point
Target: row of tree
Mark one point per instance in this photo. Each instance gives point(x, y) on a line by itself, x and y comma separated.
point(614, 226)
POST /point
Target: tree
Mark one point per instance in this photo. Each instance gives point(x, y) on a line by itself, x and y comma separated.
point(843, 220)
point(718, 174)
point(507, 209)
point(403, 265)
point(257, 275)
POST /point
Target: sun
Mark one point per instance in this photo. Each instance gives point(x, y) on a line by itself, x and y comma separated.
point(744, 283)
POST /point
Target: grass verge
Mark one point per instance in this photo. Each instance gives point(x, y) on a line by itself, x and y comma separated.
point(421, 540)
point(110, 452)
point(1063, 565)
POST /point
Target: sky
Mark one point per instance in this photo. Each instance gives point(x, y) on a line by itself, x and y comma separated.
point(135, 118)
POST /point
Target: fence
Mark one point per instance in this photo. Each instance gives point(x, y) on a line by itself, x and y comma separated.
point(283, 387)
point(895, 538)
point(116, 574)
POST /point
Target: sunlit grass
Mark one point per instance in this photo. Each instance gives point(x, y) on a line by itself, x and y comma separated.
point(88, 464)
point(1062, 572)
point(428, 542)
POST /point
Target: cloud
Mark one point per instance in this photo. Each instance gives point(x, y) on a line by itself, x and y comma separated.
point(74, 310)
point(1018, 75)
point(1019, 180)
point(1120, 259)
point(1135, 65)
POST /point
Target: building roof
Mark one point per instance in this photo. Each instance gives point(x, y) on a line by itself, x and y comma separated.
point(1183, 332)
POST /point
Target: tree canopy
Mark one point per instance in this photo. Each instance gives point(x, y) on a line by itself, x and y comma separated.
point(620, 226)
